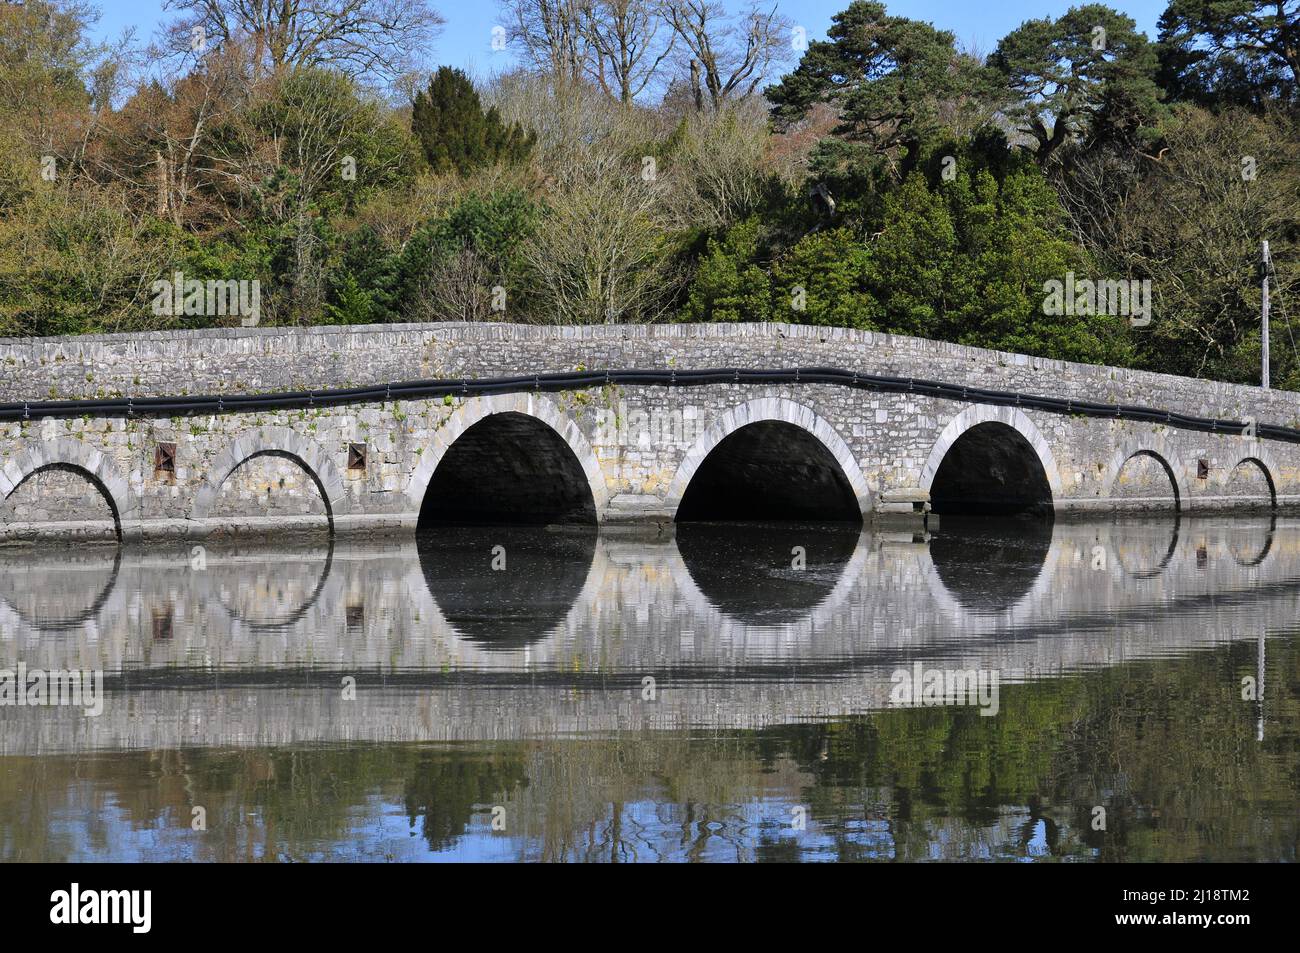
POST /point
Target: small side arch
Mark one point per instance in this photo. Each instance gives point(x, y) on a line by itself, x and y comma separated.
point(477, 409)
point(776, 409)
point(1260, 459)
point(1157, 447)
point(978, 414)
point(69, 453)
point(281, 442)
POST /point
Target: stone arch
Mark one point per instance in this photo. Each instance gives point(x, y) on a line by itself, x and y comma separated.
point(274, 441)
point(775, 409)
point(477, 409)
point(69, 453)
point(1265, 466)
point(977, 414)
point(1157, 447)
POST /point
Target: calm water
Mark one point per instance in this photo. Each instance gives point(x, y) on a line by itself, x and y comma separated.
point(726, 695)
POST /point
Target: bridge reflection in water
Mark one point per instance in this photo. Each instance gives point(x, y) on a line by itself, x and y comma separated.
point(771, 652)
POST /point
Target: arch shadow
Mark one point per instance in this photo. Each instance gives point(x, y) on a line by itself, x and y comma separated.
point(748, 572)
point(1162, 564)
point(73, 618)
point(518, 431)
point(505, 588)
point(837, 472)
point(295, 614)
point(1002, 462)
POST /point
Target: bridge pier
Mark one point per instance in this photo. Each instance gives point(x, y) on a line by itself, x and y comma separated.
point(903, 510)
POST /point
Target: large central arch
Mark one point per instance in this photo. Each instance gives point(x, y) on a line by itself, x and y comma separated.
point(511, 458)
point(754, 436)
point(995, 456)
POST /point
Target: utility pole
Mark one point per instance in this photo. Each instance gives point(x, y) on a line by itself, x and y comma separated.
point(1259, 688)
point(1266, 266)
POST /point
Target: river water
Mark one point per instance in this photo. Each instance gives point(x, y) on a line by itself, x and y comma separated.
point(1104, 691)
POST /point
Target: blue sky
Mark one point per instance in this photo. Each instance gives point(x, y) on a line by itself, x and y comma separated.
point(466, 39)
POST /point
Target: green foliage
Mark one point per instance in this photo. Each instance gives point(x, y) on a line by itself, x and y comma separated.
point(492, 226)
point(1231, 52)
point(351, 304)
point(1088, 73)
point(331, 147)
point(454, 131)
point(892, 78)
point(824, 280)
point(77, 262)
point(965, 259)
point(365, 285)
point(729, 284)
point(350, 211)
point(961, 256)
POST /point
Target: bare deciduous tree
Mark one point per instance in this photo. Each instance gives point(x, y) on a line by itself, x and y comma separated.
point(383, 38)
point(551, 34)
point(155, 143)
point(598, 256)
point(457, 288)
point(719, 171)
point(1191, 218)
point(630, 41)
point(728, 57)
point(570, 121)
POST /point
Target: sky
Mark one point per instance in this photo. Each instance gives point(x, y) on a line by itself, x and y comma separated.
point(467, 37)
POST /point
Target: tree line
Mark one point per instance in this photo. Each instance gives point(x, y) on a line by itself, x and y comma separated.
point(663, 160)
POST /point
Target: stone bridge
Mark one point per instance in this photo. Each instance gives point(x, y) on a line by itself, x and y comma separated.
point(617, 454)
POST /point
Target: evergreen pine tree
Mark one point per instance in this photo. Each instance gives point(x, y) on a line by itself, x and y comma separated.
point(454, 131)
